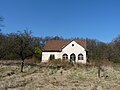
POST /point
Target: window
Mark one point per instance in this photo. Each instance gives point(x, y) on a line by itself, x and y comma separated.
point(72, 44)
point(80, 57)
point(65, 57)
point(52, 56)
point(72, 57)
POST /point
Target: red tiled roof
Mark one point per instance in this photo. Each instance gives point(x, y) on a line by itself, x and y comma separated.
point(57, 45)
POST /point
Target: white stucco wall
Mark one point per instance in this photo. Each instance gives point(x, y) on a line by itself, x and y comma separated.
point(76, 49)
point(69, 49)
point(46, 55)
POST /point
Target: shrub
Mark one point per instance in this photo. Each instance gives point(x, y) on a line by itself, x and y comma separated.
point(37, 55)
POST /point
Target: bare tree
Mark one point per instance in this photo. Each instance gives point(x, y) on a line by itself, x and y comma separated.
point(24, 46)
point(116, 49)
point(2, 45)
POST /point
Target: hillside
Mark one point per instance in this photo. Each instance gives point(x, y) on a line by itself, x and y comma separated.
point(79, 78)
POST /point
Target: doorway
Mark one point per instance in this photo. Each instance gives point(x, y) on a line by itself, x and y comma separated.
point(72, 57)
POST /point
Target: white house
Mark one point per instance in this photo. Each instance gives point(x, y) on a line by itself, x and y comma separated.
point(73, 50)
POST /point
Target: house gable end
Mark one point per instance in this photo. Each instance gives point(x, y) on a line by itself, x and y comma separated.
point(71, 42)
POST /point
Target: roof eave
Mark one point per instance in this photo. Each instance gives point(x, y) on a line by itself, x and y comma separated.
point(51, 50)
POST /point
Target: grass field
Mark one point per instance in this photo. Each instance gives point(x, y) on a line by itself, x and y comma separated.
point(45, 78)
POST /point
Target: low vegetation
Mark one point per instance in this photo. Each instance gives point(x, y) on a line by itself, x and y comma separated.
point(59, 76)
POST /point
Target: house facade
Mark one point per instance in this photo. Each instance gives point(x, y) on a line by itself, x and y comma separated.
point(71, 50)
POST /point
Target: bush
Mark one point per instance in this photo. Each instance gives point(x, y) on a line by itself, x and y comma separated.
point(37, 55)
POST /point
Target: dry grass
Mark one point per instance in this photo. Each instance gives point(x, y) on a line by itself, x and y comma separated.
point(75, 78)
point(61, 63)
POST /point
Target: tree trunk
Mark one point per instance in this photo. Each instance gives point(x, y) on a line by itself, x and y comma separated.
point(22, 65)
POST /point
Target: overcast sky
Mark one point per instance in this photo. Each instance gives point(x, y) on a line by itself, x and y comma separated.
point(97, 19)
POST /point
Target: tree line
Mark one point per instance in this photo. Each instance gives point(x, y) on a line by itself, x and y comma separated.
point(23, 44)
point(104, 51)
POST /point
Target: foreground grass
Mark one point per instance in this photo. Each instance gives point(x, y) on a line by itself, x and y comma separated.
point(36, 78)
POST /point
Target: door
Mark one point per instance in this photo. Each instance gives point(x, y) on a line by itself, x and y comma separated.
point(72, 57)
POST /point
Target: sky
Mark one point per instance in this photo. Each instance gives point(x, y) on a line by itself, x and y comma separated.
point(95, 19)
